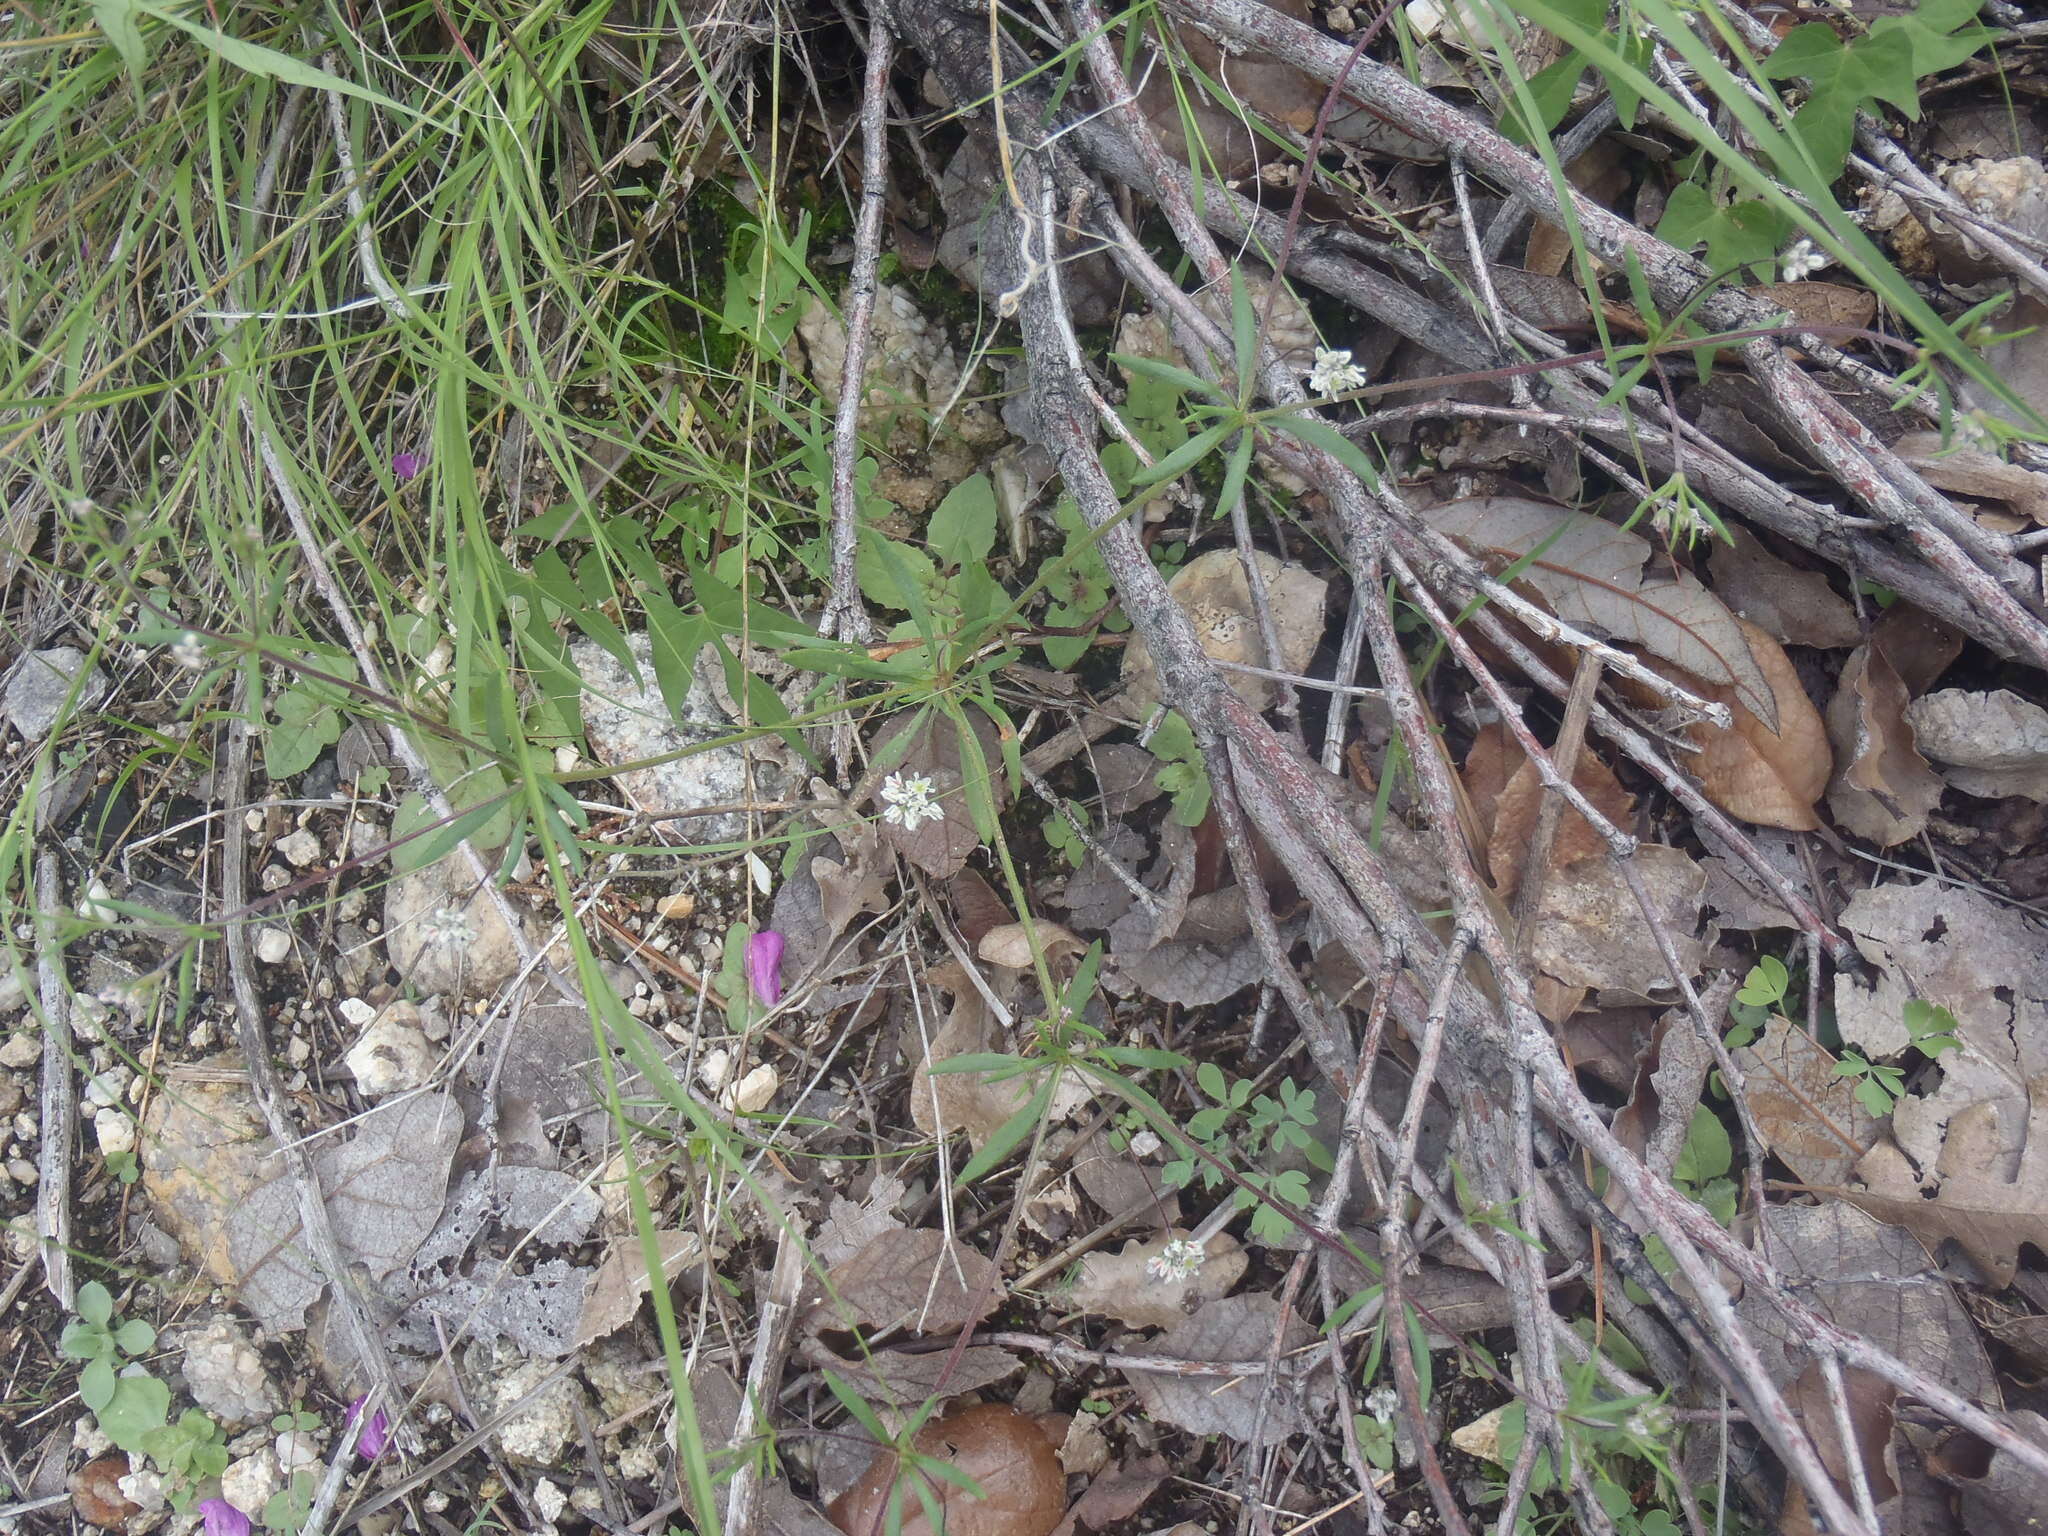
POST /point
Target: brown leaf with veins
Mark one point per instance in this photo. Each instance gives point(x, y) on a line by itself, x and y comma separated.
point(1807, 1115)
point(1596, 576)
point(974, 1102)
point(931, 749)
point(1589, 932)
point(922, 1280)
point(1883, 789)
point(1119, 1285)
point(1004, 1453)
point(1231, 1328)
point(1792, 606)
point(1769, 776)
point(1965, 1197)
point(1520, 803)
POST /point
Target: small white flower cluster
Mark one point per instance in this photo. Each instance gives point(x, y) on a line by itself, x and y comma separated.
point(1801, 260)
point(1335, 373)
point(1179, 1260)
point(910, 802)
point(447, 926)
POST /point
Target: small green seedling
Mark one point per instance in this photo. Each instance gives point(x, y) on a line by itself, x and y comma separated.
point(1878, 1087)
point(127, 1401)
point(1181, 773)
point(190, 1452)
point(1765, 991)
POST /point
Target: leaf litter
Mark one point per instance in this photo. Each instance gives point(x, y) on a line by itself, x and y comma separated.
point(467, 1228)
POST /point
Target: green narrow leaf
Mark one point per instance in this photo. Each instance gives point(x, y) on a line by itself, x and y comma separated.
point(258, 60)
point(1010, 1133)
point(1244, 325)
point(1318, 433)
point(116, 19)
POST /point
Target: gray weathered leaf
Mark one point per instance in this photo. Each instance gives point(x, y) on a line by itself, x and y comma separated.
point(1596, 576)
point(1231, 1328)
point(924, 1281)
point(384, 1187)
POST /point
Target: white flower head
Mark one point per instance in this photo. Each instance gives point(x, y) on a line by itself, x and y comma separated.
point(190, 651)
point(1334, 373)
point(910, 801)
point(1179, 1260)
point(1801, 261)
point(447, 926)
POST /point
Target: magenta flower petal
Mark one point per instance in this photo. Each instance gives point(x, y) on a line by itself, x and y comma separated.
point(376, 1433)
point(764, 966)
point(406, 465)
point(222, 1518)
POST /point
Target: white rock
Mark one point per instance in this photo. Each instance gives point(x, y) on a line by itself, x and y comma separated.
point(86, 1437)
point(549, 1499)
point(713, 1068)
point(105, 1088)
point(249, 1483)
point(272, 945)
point(142, 1488)
point(21, 1051)
point(224, 1372)
point(300, 848)
point(541, 1433)
point(96, 907)
point(756, 1090)
point(114, 1131)
point(444, 934)
point(355, 1011)
point(394, 1054)
point(296, 1450)
point(630, 720)
point(40, 684)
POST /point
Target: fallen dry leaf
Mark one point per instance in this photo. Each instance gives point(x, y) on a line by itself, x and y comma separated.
point(1217, 599)
point(1883, 790)
point(383, 1186)
point(1966, 1195)
point(1809, 1117)
point(850, 1226)
point(1820, 304)
point(1589, 932)
point(1230, 1328)
point(1520, 802)
point(2000, 1495)
point(1597, 576)
point(923, 1281)
point(1869, 1401)
point(1118, 1284)
point(622, 1279)
point(905, 1380)
point(1870, 1277)
point(974, 1102)
point(1792, 606)
point(1771, 776)
point(1005, 1454)
point(1114, 1497)
point(1122, 1186)
point(1985, 963)
point(1974, 473)
point(1989, 744)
